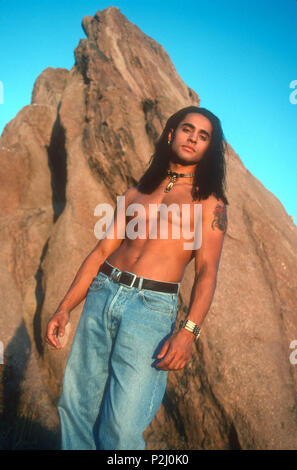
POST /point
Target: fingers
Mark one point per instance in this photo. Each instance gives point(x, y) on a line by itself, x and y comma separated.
point(172, 365)
point(166, 362)
point(62, 330)
point(171, 361)
point(52, 335)
point(56, 328)
point(164, 350)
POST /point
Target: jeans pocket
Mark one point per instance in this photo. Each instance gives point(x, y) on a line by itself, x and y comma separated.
point(158, 301)
point(98, 282)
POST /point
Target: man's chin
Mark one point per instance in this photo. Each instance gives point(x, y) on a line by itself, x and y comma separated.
point(182, 161)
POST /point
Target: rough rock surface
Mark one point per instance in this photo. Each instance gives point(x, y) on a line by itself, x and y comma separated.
point(86, 136)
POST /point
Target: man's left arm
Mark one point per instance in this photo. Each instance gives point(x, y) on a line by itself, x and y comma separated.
point(177, 349)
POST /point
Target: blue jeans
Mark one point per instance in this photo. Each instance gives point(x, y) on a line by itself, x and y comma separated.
point(112, 388)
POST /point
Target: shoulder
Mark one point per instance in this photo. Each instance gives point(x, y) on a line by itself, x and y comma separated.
point(131, 192)
point(130, 195)
point(211, 203)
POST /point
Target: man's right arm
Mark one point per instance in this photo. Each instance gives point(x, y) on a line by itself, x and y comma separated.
point(86, 273)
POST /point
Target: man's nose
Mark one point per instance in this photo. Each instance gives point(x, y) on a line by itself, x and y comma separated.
point(192, 138)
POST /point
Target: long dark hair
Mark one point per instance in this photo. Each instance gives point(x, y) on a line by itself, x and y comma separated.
point(210, 170)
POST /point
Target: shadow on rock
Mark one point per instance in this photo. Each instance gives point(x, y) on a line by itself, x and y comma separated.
point(20, 426)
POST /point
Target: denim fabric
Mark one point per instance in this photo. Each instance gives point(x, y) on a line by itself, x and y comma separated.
point(112, 388)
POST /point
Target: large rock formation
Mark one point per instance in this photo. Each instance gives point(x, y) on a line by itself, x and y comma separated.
point(86, 136)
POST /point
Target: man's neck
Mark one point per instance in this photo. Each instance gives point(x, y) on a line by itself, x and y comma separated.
point(184, 169)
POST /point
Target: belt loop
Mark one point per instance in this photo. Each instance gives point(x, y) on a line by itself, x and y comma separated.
point(140, 283)
point(115, 273)
point(113, 269)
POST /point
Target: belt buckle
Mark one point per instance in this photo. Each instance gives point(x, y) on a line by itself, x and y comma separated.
point(131, 285)
point(116, 275)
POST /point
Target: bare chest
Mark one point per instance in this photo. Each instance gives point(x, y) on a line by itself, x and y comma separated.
point(163, 214)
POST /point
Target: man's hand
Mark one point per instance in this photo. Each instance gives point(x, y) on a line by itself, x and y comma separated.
point(177, 351)
point(56, 328)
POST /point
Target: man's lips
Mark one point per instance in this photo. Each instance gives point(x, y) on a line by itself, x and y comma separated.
point(188, 148)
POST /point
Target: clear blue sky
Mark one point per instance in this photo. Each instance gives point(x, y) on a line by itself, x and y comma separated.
point(239, 56)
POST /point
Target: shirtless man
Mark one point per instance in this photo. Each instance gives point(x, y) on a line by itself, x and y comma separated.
point(124, 346)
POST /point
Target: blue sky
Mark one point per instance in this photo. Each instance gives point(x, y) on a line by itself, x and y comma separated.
point(240, 57)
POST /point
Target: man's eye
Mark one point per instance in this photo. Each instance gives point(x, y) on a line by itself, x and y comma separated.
point(186, 129)
point(203, 137)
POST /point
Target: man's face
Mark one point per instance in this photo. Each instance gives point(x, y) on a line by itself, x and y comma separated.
point(192, 139)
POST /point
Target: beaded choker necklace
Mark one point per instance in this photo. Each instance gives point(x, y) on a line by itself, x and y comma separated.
point(173, 177)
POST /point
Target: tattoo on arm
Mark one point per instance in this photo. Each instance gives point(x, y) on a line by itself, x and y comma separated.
point(220, 218)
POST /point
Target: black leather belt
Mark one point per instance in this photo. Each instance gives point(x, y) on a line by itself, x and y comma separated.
point(131, 280)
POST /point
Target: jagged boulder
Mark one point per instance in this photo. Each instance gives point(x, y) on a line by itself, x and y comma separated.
point(86, 136)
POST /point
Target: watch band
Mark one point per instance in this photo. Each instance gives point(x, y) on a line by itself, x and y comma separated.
point(190, 326)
